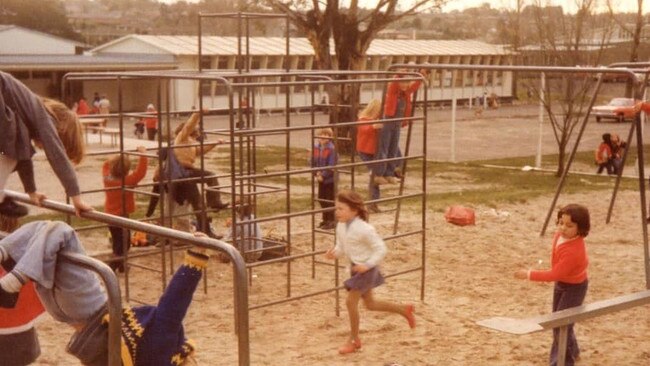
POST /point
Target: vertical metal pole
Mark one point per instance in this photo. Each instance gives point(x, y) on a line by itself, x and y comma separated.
point(453, 127)
point(561, 346)
point(565, 173)
point(542, 87)
point(619, 173)
point(644, 213)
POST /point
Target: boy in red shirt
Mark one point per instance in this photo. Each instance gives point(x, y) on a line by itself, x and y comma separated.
point(569, 271)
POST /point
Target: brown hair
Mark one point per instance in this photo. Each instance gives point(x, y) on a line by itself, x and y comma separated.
point(8, 224)
point(579, 214)
point(354, 201)
point(68, 128)
point(117, 169)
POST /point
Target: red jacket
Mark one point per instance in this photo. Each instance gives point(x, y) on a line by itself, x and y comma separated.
point(113, 203)
point(366, 138)
point(150, 122)
point(604, 153)
point(393, 93)
point(27, 310)
point(569, 262)
point(82, 108)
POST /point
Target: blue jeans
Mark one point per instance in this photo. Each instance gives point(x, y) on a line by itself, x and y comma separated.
point(387, 147)
point(373, 189)
point(69, 293)
point(567, 295)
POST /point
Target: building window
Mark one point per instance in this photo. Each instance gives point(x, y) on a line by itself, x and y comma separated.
point(206, 62)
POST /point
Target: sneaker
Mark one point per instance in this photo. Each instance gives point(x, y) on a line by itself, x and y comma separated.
point(380, 180)
point(350, 346)
point(10, 208)
point(321, 224)
point(8, 300)
point(398, 173)
point(391, 180)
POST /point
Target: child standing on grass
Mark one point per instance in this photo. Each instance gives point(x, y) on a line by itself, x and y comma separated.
point(604, 155)
point(358, 242)
point(115, 170)
point(324, 155)
point(50, 125)
point(569, 264)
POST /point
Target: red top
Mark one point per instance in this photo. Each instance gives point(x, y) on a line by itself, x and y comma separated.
point(569, 262)
point(392, 94)
point(150, 122)
point(113, 203)
point(82, 108)
point(366, 137)
point(21, 318)
point(604, 153)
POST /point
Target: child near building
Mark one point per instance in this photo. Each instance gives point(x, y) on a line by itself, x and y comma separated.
point(363, 248)
point(569, 264)
point(324, 155)
point(115, 172)
point(151, 335)
point(151, 122)
point(50, 125)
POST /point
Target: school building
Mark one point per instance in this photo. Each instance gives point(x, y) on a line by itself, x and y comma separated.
point(151, 52)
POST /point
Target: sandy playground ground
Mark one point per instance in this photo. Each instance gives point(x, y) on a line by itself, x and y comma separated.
point(468, 278)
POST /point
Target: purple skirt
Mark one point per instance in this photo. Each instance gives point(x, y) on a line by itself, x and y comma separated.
point(364, 282)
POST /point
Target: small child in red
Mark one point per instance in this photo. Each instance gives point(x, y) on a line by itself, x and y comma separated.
point(114, 170)
point(569, 271)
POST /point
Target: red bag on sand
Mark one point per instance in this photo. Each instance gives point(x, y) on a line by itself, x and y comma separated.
point(460, 215)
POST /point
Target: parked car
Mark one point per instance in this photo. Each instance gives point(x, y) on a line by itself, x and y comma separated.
point(619, 109)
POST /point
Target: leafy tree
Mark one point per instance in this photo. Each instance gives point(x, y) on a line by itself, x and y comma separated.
point(351, 29)
point(49, 17)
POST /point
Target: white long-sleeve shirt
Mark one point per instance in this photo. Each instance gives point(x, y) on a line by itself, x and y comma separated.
point(359, 242)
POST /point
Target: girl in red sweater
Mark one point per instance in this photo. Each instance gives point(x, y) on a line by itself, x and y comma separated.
point(569, 264)
point(114, 170)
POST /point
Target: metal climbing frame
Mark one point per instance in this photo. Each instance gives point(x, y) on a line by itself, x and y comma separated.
point(240, 293)
point(629, 70)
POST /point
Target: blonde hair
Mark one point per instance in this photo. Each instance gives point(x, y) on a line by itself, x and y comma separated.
point(325, 132)
point(117, 169)
point(372, 110)
point(68, 128)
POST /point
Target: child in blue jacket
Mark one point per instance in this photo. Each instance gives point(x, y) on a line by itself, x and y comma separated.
point(324, 155)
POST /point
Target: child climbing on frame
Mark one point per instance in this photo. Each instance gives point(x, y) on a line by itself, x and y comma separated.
point(361, 246)
point(151, 335)
point(367, 145)
point(115, 171)
point(569, 264)
point(51, 126)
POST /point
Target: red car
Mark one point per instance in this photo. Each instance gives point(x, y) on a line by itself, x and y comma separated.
point(619, 109)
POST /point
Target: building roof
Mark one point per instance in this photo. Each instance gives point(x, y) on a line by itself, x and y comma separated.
point(6, 30)
point(86, 62)
point(272, 46)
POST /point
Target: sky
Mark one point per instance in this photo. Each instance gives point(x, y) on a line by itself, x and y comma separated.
point(619, 5)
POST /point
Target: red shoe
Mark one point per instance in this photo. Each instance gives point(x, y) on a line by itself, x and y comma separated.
point(350, 347)
point(410, 316)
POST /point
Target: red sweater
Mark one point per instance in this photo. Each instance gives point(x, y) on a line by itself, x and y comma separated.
point(392, 94)
point(366, 137)
point(113, 203)
point(22, 317)
point(569, 262)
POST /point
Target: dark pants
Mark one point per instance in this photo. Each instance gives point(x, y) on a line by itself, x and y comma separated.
point(118, 236)
point(151, 133)
point(19, 348)
point(567, 295)
point(326, 192)
point(609, 165)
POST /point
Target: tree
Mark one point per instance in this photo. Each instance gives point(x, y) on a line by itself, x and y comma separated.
point(567, 40)
point(352, 29)
point(48, 16)
point(636, 37)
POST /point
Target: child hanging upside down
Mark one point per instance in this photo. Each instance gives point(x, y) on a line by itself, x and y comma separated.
point(151, 335)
